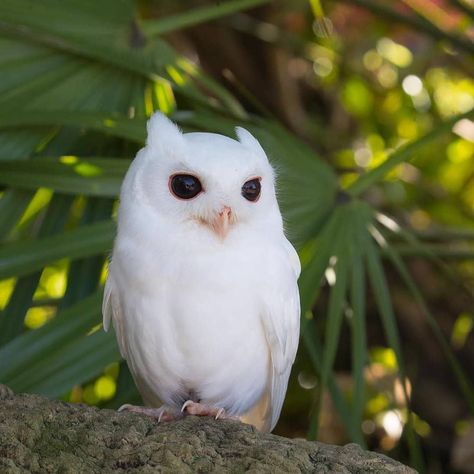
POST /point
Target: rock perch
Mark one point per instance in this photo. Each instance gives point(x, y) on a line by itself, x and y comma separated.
point(38, 435)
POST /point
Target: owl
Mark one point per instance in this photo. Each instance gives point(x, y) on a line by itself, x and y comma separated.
point(202, 284)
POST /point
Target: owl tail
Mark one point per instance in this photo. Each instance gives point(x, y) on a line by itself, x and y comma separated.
point(259, 415)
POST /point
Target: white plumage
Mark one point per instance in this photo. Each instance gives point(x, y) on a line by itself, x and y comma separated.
point(202, 291)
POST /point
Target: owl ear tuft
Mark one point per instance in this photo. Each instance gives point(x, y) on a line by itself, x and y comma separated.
point(161, 131)
point(250, 142)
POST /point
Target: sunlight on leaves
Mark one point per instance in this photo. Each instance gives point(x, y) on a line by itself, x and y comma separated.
point(69, 159)
point(6, 289)
point(177, 77)
point(53, 281)
point(38, 316)
point(422, 428)
point(164, 96)
point(110, 123)
point(462, 329)
point(87, 169)
point(384, 356)
point(39, 202)
point(377, 403)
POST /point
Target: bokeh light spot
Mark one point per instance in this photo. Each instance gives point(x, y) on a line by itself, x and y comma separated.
point(372, 60)
point(357, 97)
point(105, 387)
point(377, 404)
point(387, 76)
point(460, 150)
point(461, 330)
point(422, 428)
point(368, 427)
point(392, 102)
point(385, 356)
point(322, 66)
point(307, 380)
point(407, 128)
point(393, 424)
point(412, 85)
point(394, 52)
point(420, 220)
point(465, 129)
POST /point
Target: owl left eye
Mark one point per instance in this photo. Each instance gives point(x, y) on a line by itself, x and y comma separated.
point(185, 186)
point(251, 189)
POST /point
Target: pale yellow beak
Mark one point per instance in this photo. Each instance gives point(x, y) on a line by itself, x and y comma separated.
point(220, 225)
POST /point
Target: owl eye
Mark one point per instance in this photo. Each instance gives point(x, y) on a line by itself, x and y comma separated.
point(185, 186)
point(251, 189)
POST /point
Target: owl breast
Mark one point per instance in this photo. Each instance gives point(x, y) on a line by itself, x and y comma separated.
point(194, 330)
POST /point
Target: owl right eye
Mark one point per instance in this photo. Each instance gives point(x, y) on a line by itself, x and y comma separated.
point(185, 186)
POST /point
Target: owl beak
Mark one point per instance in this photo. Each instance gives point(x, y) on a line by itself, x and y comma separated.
point(220, 225)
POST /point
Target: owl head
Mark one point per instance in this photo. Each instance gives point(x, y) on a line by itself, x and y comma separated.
point(205, 181)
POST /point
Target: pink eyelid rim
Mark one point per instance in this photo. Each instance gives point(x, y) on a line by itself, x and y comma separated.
point(187, 174)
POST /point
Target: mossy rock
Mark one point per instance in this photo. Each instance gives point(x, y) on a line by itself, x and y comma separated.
point(38, 435)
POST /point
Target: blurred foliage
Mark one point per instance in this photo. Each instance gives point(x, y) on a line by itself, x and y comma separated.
point(365, 108)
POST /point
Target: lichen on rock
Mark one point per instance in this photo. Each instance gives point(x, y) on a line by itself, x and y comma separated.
point(38, 435)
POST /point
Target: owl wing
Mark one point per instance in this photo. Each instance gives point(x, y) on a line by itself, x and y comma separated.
point(281, 322)
point(112, 312)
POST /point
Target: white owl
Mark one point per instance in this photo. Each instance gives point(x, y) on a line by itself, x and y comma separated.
point(202, 285)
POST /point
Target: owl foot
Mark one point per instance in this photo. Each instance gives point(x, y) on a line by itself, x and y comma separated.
point(163, 413)
point(198, 409)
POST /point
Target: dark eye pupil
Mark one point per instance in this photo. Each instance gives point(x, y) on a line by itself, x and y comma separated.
point(251, 189)
point(185, 186)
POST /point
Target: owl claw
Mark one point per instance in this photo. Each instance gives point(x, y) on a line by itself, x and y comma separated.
point(125, 407)
point(165, 413)
point(186, 404)
point(161, 414)
point(220, 413)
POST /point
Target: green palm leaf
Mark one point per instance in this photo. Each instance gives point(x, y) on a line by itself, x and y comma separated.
point(69, 175)
point(24, 257)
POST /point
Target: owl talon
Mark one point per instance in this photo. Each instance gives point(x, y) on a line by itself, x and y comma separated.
point(125, 407)
point(220, 413)
point(186, 404)
point(161, 414)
